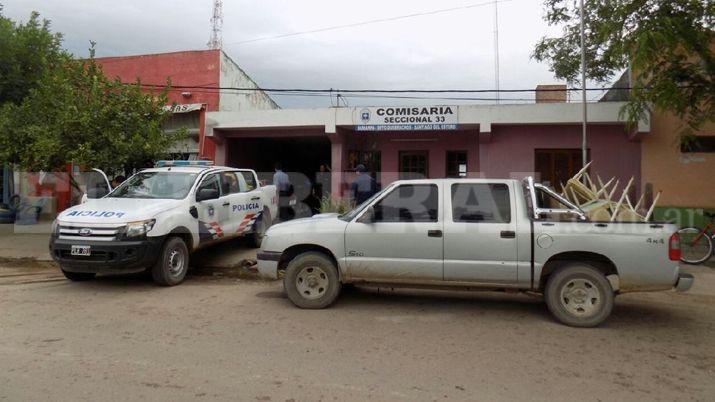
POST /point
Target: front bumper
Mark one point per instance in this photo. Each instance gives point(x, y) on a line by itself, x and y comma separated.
point(111, 257)
point(684, 283)
point(268, 263)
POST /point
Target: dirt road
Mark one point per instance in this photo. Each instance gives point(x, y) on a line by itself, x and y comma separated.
point(234, 339)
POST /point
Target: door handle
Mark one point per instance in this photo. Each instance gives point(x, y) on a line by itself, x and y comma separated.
point(255, 198)
point(434, 233)
point(508, 234)
point(225, 204)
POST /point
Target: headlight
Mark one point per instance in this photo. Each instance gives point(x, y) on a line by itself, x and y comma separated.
point(139, 228)
point(55, 228)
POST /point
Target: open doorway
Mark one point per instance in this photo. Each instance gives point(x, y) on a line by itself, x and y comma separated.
point(301, 158)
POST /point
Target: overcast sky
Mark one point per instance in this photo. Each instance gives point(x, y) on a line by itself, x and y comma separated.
point(446, 50)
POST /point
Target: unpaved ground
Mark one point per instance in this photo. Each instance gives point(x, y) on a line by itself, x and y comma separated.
point(235, 339)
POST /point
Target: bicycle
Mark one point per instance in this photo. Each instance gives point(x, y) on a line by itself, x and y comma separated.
point(696, 244)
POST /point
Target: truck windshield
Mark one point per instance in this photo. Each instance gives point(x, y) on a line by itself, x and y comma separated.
point(348, 216)
point(156, 185)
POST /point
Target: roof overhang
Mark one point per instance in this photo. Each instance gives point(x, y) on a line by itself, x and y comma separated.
point(482, 116)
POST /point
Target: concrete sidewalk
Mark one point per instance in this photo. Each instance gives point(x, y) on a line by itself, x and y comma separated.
point(24, 245)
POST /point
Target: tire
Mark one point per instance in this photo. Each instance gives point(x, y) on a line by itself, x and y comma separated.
point(579, 295)
point(260, 226)
point(78, 276)
point(311, 281)
point(691, 251)
point(173, 263)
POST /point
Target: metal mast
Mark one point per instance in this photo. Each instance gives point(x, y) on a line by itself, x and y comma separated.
point(496, 48)
point(584, 144)
point(216, 40)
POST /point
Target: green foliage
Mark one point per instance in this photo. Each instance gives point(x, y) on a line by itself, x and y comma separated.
point(329, 204)
point(667, 44)
point(26, 51)
point(74, 113)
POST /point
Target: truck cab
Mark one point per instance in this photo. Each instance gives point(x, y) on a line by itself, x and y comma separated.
point(474, 234)
point(157, 217)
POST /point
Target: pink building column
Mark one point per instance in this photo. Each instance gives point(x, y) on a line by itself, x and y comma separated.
point(337, 163)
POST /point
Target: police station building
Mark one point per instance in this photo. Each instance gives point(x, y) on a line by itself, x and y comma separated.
point(430, 141)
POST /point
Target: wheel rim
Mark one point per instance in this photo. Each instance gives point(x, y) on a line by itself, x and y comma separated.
point(176, 262)
point(580, 297)
point(694, 247)
point(312, 282)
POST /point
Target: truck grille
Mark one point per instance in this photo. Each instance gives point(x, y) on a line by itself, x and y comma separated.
point(89, 233)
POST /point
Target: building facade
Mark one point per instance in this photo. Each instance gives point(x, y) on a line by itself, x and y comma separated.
point(499, 141)
point(682, 173)
point(197, 78)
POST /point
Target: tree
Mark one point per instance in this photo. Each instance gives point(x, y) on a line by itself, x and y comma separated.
point(666, 44)
point(74, 113)
point(26, 50)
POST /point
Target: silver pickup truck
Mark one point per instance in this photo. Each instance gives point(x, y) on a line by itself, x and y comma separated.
point(475, 234)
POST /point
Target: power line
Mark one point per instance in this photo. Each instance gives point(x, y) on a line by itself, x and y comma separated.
point(334, 90)
point(368, 22)
point(367, 96)
point(327, 94)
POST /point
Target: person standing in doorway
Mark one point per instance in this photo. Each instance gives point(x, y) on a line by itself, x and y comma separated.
point(322, 180)
point(364, 186)
point(285, 191)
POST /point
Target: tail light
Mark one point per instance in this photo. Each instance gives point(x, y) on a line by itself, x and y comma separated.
point(674, 247)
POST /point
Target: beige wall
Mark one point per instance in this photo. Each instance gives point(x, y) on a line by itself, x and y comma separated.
point(686, 179)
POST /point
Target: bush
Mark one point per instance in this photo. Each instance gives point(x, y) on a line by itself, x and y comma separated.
point(329, 204)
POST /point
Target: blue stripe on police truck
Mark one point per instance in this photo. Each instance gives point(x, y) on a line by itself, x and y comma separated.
point(97, 214)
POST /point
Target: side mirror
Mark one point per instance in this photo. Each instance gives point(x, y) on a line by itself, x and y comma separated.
point(368, 216)
point(206, 194)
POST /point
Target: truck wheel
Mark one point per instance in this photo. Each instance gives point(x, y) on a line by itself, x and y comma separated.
point(579, 295)
point(78, 276)
point(170, 269)
point(259, 228)
point(311, 281)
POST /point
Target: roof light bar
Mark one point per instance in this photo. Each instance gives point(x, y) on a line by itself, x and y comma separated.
point(170, 163)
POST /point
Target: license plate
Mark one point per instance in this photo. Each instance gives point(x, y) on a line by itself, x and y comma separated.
point(80, 250)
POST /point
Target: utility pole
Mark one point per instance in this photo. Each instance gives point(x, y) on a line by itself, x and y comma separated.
point(216, 40)
point(584, 150)
point(496, 48)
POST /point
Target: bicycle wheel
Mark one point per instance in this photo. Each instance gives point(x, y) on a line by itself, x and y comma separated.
point(695, 246)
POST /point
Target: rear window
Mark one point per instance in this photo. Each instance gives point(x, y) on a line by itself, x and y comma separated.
point(481, 202)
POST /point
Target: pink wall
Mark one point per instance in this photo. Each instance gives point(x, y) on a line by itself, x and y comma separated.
point(510, 153)
point(436, 143)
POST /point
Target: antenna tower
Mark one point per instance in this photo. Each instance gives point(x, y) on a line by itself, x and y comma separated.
point(216, 40)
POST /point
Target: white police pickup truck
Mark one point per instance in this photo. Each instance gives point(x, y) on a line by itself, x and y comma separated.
point(475, 234)
point(158, 216)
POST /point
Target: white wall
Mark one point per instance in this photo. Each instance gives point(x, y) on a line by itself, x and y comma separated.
point(233, 76)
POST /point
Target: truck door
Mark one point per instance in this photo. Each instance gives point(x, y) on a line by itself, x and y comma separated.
point(213, 215)
point(255, 196)
point(480, 233)
point(403, 241)
point(242, 210)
